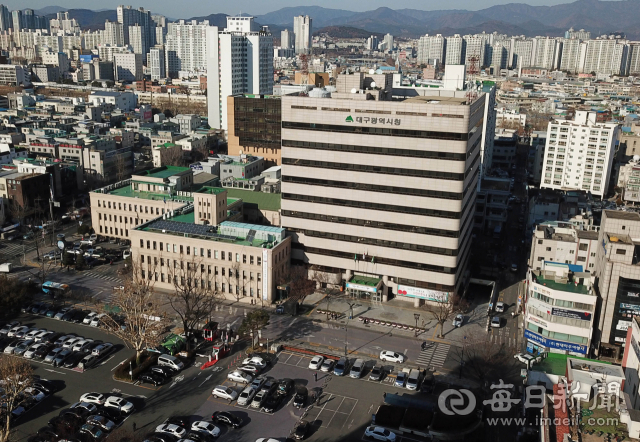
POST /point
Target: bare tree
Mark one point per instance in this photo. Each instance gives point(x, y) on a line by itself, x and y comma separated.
point(121, 167)
point(194, 297)
point(172, 156)
point(16, 376)
point(297, 277)
point(330, 283)
point(232, 278)
point(444, 309)
point(485, 361)
point(135, 301)
point(253, 323)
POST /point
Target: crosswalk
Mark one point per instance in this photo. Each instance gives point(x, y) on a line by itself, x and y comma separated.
point(434, 355)
point(97, 275)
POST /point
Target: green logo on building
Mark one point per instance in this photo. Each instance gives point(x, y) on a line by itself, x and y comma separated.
point(349, 119)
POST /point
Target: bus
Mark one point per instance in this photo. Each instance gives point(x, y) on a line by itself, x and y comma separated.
point(55, 289)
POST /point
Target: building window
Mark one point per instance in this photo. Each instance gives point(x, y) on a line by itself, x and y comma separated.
point(621, 252)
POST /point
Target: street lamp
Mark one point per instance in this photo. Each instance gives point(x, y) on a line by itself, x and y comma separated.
point(462, 358)
point(416, 316)
point(345, 339)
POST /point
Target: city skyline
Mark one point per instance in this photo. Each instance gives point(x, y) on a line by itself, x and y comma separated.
point(192, 8)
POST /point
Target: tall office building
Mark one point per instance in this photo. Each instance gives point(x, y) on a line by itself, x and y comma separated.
point(113, 33)
point(579, 154)
point(187, 43)
point(6, 21)
point(131, 17)
point(18, 20)
point(388, 42)
point(455, 50)
point(156, 63)
point(239, 60)
point(28, 19)
point(373, 43)
point(349, 216)
point(287, 39)
point(302, 28)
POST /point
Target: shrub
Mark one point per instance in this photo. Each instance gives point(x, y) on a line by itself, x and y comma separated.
point(122, 371)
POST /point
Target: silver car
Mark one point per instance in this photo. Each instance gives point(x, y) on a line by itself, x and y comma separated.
point(23, 346)
point(52, 355)
point(246, 396)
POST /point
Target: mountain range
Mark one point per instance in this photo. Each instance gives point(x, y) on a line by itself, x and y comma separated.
point(597, 16)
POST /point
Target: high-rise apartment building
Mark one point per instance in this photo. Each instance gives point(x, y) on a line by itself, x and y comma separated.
point(388, 42)
point(187, 44)
point(239, 60)
point(475, 47)
point(579, 154)
point(287, 39)
point(131, 17)
point(302, 29)
point(455, 53)
point(113, 33)
point(431, 47)
point(106, 52)
point(500, 54)
point(381, 194)
point(521, 52)
point(138, 39)
point(547, 51)
point(580, 35)
point(606, 56)
point(62, 23)
point(156, 63)
point(570, 59)
point(18, 20)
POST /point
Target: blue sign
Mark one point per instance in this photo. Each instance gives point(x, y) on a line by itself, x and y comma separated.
point(551, 343)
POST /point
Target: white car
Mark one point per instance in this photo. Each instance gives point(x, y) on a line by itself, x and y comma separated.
point(205, 427)
point(499, 307)
point(390, 356)
point(380, 433)
point(91, 409)
point(93, 398)
point(87, 319)
point(43, 335)
point(458, 320)
point(69, 343)
point(316, 362)
point(246, 396)
point(240, 377)
point(495, 322)
point(119, 403)
point(28, 354)
point(33, 333)
point(225, 392)
point(35, 393)
point(267, 439)
point(82, 345)
point(528, 359)
point(256, 361)
point(17, 329)
point(171, 429)
point(95, 322)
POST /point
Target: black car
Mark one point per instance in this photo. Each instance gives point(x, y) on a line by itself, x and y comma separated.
point(162, 370)
point(79, 316)
point(78, 412)
point(160, 437)
point(150, 378)
point(285, 386)
point(113, 414)
point(52, 338)
point(273, 401)
point(69, 315)
point(300, 399)
point(73, 359)
point(180, 421)
point(61, 357)
point(226, 418)
point(44, 308)
point(377, 373)
point(27, 308)
point(197, 436)
point(300, 430)
point(49, 433)
point(269, 386)
point(67, 423)
point(45, 386)
point(43, 351)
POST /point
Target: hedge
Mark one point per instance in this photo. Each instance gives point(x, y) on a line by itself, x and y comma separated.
point(122, 371)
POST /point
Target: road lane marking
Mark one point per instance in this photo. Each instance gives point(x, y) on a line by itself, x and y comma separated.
point(54, 371)
point(203, 382)
point(119, 365)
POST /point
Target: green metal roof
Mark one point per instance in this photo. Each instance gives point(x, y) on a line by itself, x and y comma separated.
point(264, 201)
point(163, 172)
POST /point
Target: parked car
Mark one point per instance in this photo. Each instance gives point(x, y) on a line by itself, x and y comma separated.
point(30, 352)
point(316, 362)
point(285, 386)
point(53, 354)
point(380, 433)
point(250, 369)
point(240, 377)
point(87, 319)
point(500, 307)
point(257, 382)
point(73, 360)
point(119, 403)
point(300, 399)
point(93, 398)
point(206, 428)
point(88, 362)
point(327, 365)
point(401, 378)
point(226, 418)
point(150, 378)
point(272, 402)
point(259, 399)
point(300, 430)
point(42, 351)
point(162, 370)
point(171, 429)
point(246, 395)
point(496, 322)
point(377, 373)
point(458, 320)
point(16, 330)
point(225, 393)
point(390, 356)
point(102, 422)
point(10, 348)
point(93, 431)
point(340, 369)
point(63, 311)
point(21, 348)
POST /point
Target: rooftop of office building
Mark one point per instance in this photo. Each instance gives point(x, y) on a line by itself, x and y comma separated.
point(621, 214)
point(162, 172)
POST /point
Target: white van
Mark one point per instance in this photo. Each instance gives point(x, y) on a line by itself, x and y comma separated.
point(357, 369)
point(171, 362)
point(413, 380)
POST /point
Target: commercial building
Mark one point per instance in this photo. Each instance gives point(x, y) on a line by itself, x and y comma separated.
point(254, 126)
point(302, 30)
point(579, 154)
point(239, 60)
point(492, 204)
point(562, 242)
point(559, 308)
point(618, 279)
point(631, 363)
point(14, 75)
point(127, 67)
point(383, 191)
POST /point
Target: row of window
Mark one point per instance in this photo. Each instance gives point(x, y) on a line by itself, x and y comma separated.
point(216, 254)
point(561, 302)
point(202, 283)
point(377, 131)
point(208, 269)
point(376, 169)
point(556, 335)
point(131, 207)
point(378, 150)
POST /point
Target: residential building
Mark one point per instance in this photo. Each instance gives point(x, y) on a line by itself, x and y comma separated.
point(474, 49)
point(287, 39)
point(352, 235)
point(106, 52)
point(126, 100)
point(62, 23)
point(617, 279)
point(113, 33)
point(579, 154)
point(492, 204)
point(302, 30)
point(560, 308)
point(579, 35)
point(521, 52)
point(254, 127)
point(505, 147)
point(138, 40)
point(547, 51)
point(239, 61)
point(455, 50)
point(14, 75)
point(240, 172)
point(187, 122)
point(605, 56)
point(570, 60)
point(432, 47)
point(128, 17)
point(562, 242)
point(127, 67)
point(157, 63)
point(186, 42)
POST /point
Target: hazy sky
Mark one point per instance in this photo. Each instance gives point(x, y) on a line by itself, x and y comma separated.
point(190, 8)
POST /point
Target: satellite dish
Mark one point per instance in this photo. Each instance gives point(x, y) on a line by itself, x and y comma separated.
point(371, 72)
point(373, 84)
point(354, 90)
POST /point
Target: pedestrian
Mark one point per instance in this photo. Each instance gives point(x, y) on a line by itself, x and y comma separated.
point(315, 376)
point(134, 426)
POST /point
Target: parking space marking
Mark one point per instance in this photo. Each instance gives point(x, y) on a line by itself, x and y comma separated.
point(399, 438)
point(342, 415)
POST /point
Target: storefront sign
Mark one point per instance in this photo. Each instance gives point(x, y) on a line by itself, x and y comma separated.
point(552, 343)
point(265, 274)
point(572, 314)
point(416, 292)
point(629, 310)
point(633, 294)
point(537, 321)
point(623, 325)
point(362, 288)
